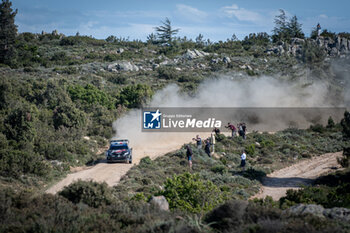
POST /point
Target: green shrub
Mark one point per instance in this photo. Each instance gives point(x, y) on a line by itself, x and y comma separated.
point(267, 143)
point(91, 95)
point(134, 96)
point(118, 79)
point(330, 123)
point(254, 174)
point(111, 57)
point(91, 193)
point(250, 149)
point(312, 53)
point(79, 40)
point(15, 163)
point(219, 137)
point(219, 169)
point(331, 191)
point(68, 116)
point(318, 128)
point(227, 216)
point(139, 197)
point(166, 72)
point(189, 193)
point(20, 122)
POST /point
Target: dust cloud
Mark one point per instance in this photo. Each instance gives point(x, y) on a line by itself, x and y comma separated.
point(237, 91)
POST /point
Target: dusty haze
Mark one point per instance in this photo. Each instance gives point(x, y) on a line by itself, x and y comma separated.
point(228, 91)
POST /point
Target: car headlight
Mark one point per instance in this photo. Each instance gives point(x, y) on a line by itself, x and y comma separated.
point(127, 153)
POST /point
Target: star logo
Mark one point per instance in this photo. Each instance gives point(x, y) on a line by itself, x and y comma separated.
point(156, 115)
point(152, 120)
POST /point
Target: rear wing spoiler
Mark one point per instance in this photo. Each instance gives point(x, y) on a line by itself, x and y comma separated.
point(124, 141)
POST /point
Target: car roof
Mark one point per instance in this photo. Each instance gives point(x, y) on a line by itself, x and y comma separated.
point(118, 144)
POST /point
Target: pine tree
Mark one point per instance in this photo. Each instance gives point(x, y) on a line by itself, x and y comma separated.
point(8, 32)
point(280, 31)
point(294, 28)
point(165, 32)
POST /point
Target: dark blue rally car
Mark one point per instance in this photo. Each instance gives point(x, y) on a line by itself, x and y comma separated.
point(119, 150)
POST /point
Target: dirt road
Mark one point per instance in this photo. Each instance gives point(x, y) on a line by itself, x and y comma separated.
point(111, 173)
point(277, 183)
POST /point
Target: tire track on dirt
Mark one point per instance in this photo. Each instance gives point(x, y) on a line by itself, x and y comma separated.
point(305, 172)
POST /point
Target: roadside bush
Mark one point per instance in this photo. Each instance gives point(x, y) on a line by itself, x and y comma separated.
point(145, 161)
point(91, 193)
point(332, 191)
point(189, 193)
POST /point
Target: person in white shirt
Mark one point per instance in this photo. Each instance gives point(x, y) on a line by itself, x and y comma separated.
point(243, 158)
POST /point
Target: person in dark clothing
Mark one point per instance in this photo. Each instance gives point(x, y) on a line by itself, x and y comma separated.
point(244, 130)
point(198, 142)
point(232, 128)
point(318, 27)
point(189, 154)
point(207, 147)
point(216, 131)
point(240, 129)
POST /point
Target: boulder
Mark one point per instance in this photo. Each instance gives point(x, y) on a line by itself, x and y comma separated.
point(334, 52)
point(122, 66)
point(226, 60)
point(344, 45)
point(342, 214)
point(338, 213)
point(193, 54)
point(161, 202)
point(297, 41)
point(215, 60)
point(303, 209)
point(120, 50)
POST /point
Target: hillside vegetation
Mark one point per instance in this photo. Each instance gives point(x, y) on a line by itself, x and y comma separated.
point(59, 96)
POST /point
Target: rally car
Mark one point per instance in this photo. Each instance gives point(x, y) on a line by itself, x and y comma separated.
point(119, 150)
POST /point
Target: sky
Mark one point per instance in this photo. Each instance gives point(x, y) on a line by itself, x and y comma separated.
point(214, 19)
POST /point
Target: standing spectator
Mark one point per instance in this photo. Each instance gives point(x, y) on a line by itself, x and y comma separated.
point(189, 154)
point(212, 137)
point(243, 158)
point(198, 142)
point(244, 130)
point(240, 129)
point(216, 131)
point(207, 147)
point(232, 128)
point(318, 29)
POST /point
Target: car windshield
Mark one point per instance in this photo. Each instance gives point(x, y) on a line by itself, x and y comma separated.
point(118, 147)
